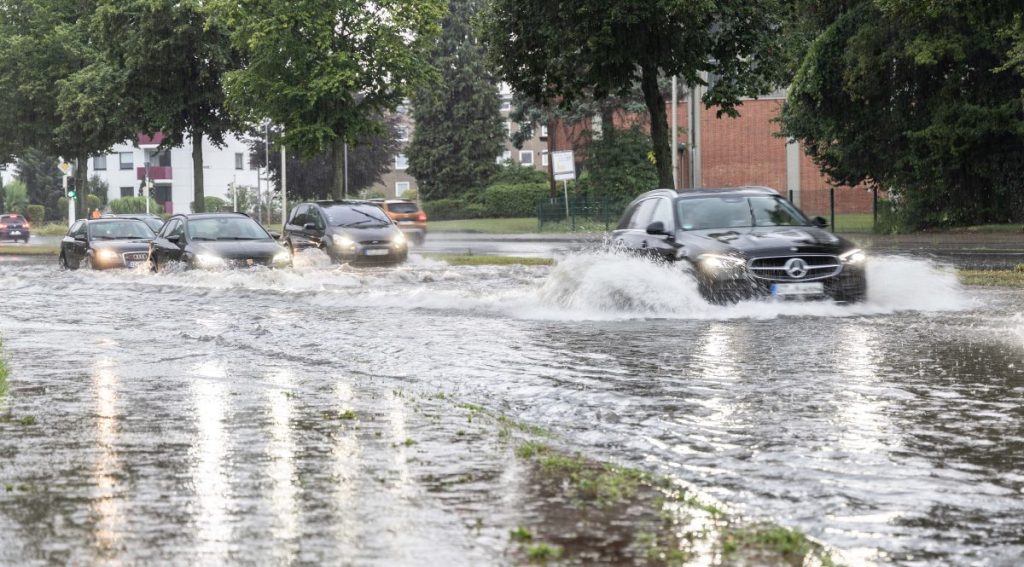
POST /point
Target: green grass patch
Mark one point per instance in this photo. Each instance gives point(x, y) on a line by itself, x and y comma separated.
point(50, 229)
point(543, 552)
point(28, 250)
point(3, 370)
point(474, 260)
point(521, 534)
point(783, 541)
point(346, 415)
point(1001, 278)
point(489, 226)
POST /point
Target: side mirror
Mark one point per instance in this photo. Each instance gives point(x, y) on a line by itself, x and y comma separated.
point(175, 238)
point(275, 235)
point(656, 227)
point(309, 226)
point(81, 238)
point(819, 222)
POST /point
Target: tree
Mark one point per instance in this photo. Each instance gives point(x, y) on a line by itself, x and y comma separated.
point(325, 69)
point(923, 99)
point(170, 59)
point(459, 131)
point(558, 52)
point(618, 166)
point(15, 196)
point(43, 180)
point(311, 177)
point(46, 53)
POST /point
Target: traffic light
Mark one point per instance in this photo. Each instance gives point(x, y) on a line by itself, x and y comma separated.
point(72, 194)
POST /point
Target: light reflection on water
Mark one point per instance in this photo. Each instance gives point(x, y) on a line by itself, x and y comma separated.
point(892, 433)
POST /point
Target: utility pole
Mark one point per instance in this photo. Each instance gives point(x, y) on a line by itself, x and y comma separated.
point(675, 133)
point(284, 187)
point(346, 171)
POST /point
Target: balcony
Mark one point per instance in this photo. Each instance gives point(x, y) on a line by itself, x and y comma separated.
point(149, 142)
point(156, 173)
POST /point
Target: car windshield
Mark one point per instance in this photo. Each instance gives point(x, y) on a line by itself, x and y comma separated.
point(153, 223)
point(403, 208)
point(737, 212)
point(362, 216)
point(226, 228)
point(119, 230)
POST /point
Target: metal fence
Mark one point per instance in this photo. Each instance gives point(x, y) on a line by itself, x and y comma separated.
point(581, 212)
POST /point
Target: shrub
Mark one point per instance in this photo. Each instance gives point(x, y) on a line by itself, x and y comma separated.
point(518, 175)
point(507, 201)
point(15, 197)
point(619, 165)
point(35, 213)
point(445, 209)
point(213, 205)
point(128, 205)
point(93, 202)
point(373, 194)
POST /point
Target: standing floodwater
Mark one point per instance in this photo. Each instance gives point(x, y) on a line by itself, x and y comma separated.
point(193, 416)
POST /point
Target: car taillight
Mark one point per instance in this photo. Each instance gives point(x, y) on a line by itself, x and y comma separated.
point(27, 225)
point(422, 217)
point(3, 225)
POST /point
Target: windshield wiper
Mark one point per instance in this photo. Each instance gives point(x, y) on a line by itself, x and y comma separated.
point(203, 238)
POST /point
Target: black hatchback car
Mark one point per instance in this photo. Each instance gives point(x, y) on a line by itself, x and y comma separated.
point(216, 241)
point(355, 232)
point(105, 243)
point(743, 243)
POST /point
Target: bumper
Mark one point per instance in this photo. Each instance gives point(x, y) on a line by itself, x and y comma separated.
point(849, 286)
point(369, 256)
point(104, 262)
point(16, 234)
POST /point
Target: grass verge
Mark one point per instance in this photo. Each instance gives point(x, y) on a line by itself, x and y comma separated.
point(28, 250)
point(490, 226)
point(1000, 278)
point(50, 229)
point(3, 370)
point(473, 260)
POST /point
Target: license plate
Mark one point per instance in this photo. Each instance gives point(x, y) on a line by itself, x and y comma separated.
point(406, 222)
point(810, 288)
point(15, 232)
point(132, 264)
point(376, 252)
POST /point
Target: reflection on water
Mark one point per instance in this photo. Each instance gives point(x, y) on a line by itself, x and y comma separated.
point(893, 430)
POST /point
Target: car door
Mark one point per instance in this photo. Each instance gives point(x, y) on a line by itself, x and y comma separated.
point(79, 244)
point(635, 234)
point(67, 244)
point(293, 228)
point(660, 246)
point(315, 233)
point(162, 248)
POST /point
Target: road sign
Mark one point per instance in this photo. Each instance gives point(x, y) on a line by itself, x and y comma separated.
point(64, 167)
point(563, 165)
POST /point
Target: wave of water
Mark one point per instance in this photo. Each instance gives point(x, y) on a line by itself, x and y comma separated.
point(583, 286)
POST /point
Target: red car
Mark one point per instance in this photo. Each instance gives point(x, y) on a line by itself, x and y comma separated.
point(14, 227)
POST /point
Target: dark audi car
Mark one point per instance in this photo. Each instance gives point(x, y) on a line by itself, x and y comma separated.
point(105, 243)
point(743, 243)
point(355, 232)
point(216, 241)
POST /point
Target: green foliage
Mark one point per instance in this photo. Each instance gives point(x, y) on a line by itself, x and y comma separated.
point(245, 196)
point(127, 205)
point(451, 209)
point(618, 167)
point(459, 129)
point(517, 174)
point(92, 202)
point(35, 213)
point(213, 205)
point(3, 370)
point(373, 194)
point(44, 181)
point(557, 53)
point(326, 70)
point(941, 132)
point(513, 201)
point(99, 188)
point(15, 197)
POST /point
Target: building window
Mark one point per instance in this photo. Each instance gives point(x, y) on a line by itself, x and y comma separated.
point(155, 158)
point(239, 161)
point(401, 188)
point(99, 163)
point(401, 162)
point(543, 132)
point(508, 128)
point(127, 191)
point(505, 158)
point(506, 105)
point(526, 157)
point(127, 160)
point(544, 158)
point(403, 134)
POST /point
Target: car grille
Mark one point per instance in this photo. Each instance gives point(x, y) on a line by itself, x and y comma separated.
point(374, 242)
point(774, 268)
point(136, 256)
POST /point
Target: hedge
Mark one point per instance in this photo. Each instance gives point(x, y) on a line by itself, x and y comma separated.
point(513, 201)
point(129, 205)
point(35, 213)
point(213, 205)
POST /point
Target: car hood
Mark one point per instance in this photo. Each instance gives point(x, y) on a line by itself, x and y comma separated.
point(763, 241)
point(122, 246)
point(365, 234)
point(237, 249)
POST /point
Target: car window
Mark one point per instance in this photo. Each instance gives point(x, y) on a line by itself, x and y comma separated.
point(226, 228)
point(298, 215)
point(642, 216)
point(76, 229)
point(365, 216)
point(170, 228)
point(627, 216)
point(663, 213)
point(403, 208)
point(313, 215)
point(714, 212)
point(119, 230)
point(773, 211)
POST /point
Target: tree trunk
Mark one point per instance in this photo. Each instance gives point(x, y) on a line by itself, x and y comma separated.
point(659, 124)
point(199, 191)
point(338, 157)
point(82, 186)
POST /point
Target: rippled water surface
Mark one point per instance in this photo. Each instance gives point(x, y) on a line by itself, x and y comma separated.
point(201, 416)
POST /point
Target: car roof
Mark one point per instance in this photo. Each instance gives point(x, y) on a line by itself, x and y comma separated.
point(337, 203)
point(190, 216)
point(732, 191)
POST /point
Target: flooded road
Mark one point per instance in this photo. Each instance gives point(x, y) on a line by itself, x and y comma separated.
point(312, 415)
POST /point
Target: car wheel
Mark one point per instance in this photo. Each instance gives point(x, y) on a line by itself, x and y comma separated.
point(88, 263)
point(63, 262)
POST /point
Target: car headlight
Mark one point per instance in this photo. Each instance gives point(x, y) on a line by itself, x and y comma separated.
point(282, 258)
point(209, 261)
point(716, 263)
point(107, 255)
point(399, 240)
point(343, 242)
point(855, 256)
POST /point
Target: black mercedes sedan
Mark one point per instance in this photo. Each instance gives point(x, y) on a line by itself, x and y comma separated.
point(743, 243)
point(216, 241)
point(355, 232)
point(105, 243)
